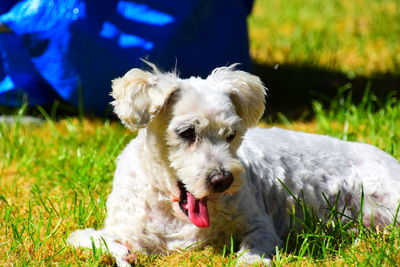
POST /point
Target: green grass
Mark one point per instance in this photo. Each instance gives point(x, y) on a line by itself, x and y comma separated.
point(355, 37)
point(55, 178)
point(302, 49)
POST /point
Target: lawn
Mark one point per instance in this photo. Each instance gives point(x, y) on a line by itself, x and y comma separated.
point(303, 49)
point(55, 176)
point(354, 37)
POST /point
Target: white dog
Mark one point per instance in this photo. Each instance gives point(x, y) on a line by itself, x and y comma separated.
point(196, 173)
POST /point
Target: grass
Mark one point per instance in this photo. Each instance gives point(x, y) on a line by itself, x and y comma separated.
point(303, 49)
point(55, 177)
point(357, 37)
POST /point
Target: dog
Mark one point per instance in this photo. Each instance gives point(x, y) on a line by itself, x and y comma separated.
point(198, 172)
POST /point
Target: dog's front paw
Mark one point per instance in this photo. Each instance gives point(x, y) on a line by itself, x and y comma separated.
point(122, 254)
point(249, 259)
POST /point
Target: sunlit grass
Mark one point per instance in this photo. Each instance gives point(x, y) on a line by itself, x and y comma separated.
point(355, 37)
point(55, 178)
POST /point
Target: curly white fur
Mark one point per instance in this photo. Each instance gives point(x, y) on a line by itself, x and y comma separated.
point(143, 209)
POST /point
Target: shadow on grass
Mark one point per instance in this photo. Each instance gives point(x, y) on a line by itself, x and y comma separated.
point(293, 87)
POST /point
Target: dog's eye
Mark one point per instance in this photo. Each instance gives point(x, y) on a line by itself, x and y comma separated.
point(188, 134)
point(231, 137)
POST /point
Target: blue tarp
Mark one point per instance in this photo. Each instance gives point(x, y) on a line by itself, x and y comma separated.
point(72, 49)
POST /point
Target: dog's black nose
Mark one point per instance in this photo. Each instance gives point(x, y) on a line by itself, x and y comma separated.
point(221, 180)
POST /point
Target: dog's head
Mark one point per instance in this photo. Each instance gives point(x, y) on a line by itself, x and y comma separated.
point(198, 123)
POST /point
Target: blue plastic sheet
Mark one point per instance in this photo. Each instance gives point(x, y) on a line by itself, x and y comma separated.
point(72, 49)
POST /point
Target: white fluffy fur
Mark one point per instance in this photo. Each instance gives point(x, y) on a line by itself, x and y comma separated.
point(142, 212)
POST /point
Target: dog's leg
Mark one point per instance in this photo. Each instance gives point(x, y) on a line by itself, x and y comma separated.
point(257, 247)
point(89, 238)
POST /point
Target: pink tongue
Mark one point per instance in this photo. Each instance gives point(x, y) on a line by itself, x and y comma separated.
point(197, 210)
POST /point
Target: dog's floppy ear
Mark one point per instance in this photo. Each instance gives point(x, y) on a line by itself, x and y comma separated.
point(140, 95)
point(246, 91)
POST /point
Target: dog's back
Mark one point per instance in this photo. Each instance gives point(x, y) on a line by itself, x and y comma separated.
point(318, 168)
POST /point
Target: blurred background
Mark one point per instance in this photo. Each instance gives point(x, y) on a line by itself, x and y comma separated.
point(63, 54)
point(70, 50)
point(309, 49)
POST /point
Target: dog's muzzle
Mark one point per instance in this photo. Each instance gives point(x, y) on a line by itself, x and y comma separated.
point(220, 180)
point(196, 209)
